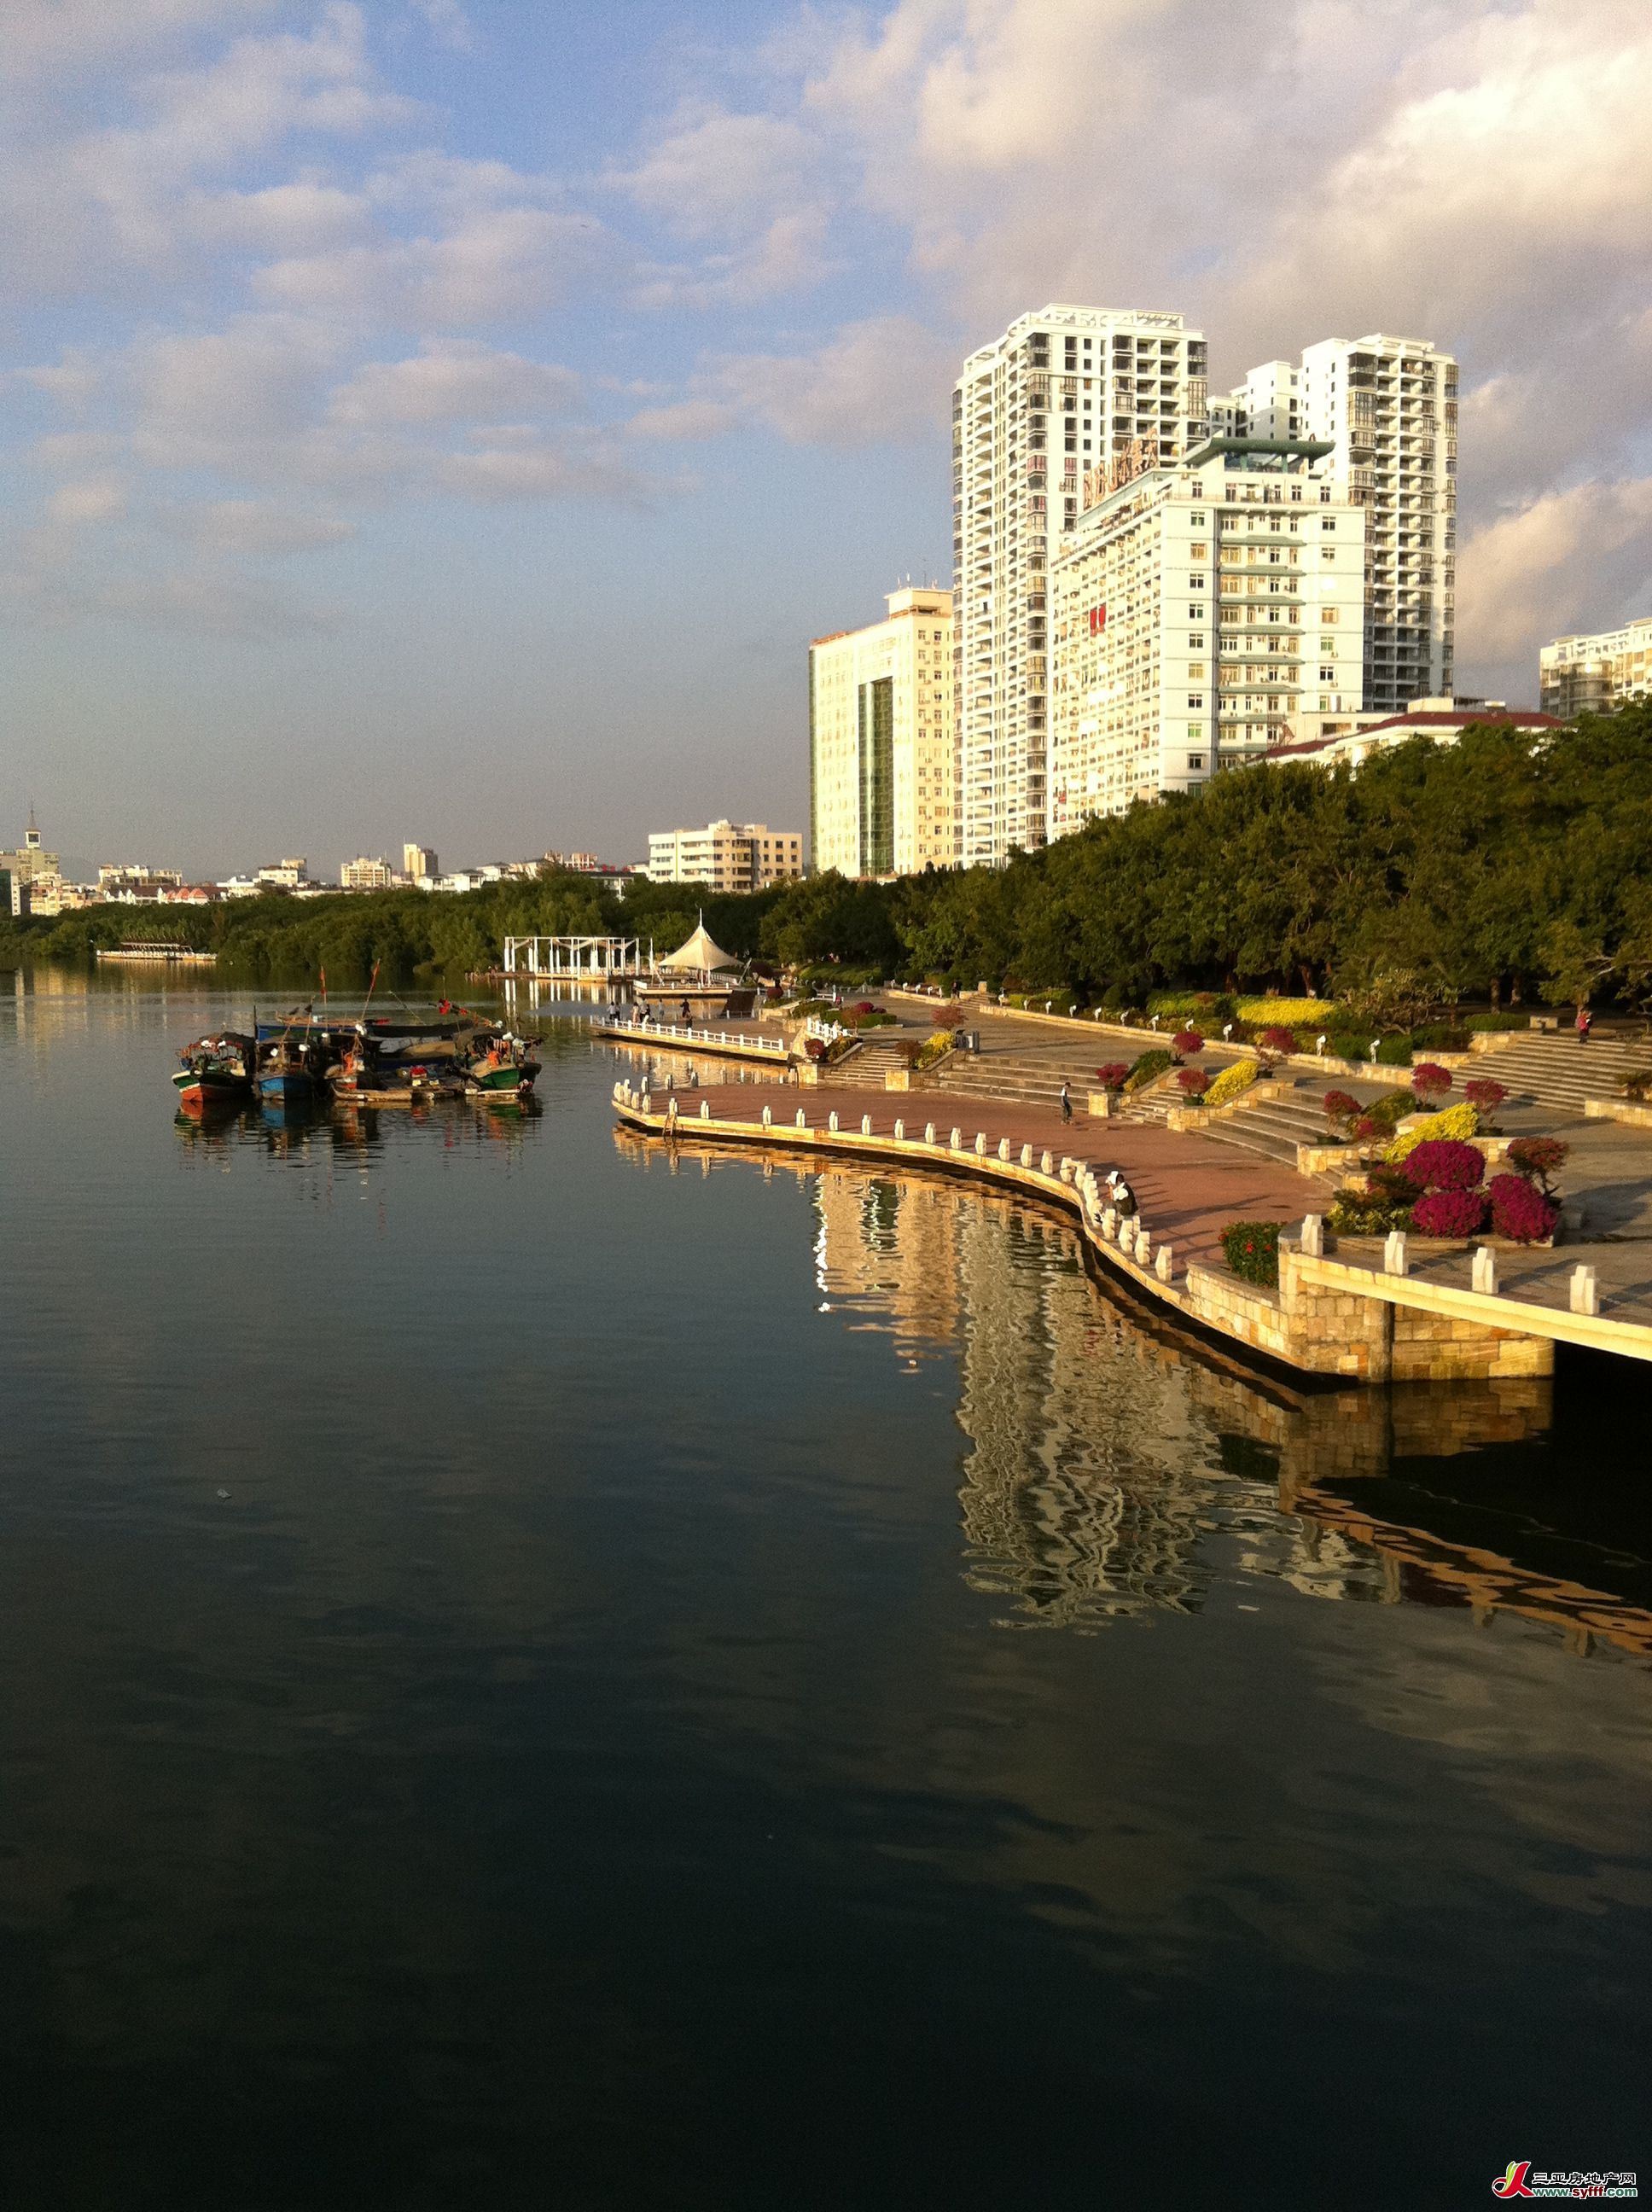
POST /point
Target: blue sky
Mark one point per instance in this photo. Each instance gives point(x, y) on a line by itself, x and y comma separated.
point(451, 419)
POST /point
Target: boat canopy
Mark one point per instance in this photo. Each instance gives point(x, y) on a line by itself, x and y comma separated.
point(700, 955)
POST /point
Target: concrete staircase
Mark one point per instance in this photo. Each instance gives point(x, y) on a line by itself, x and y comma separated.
point(1554, 1070)
point(1275, 1126)
point(1030, 1078)
point(878, 1051)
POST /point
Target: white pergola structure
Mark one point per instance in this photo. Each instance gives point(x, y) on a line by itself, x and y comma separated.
point(575, 959)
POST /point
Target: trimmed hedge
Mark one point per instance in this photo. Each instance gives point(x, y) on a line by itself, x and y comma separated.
point(1149, 1065)
point(1251, 1249)
point(1459, 1121)
point(1287, 1013)
point(1232, 1081)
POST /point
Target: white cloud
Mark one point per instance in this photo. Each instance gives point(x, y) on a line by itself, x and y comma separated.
point(1577, 559)
point(496, 264)
point(257, 527)
point(716, 171)
point(789, 257)
point(526, 468)
point(460, 380)
point(88, 499)
point(684, 420)
point(47, 35)
point(883, 379)
point(448, 24)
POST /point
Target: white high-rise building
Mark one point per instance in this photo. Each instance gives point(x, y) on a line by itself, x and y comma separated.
point(1388, 407)
point(880, 741)
point(1195, 610)
point(1592, 674)
point(1066, 393)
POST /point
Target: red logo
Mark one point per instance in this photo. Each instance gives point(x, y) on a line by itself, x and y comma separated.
point(1513, 2183)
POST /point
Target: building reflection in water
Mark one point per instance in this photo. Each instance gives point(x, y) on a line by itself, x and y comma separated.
point(1114, 1469)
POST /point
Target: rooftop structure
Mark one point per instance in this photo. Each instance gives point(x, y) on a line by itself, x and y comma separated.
point(1594, 671)
point(1442, 720)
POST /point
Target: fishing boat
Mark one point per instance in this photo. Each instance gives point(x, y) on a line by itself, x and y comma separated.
point(214, 1071)
point(291, 1063)
point(500, 1066)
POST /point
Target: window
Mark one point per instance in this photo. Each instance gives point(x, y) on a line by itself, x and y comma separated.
point(1327, 522)
point(1195, 760)
point(1327, 676)
point(1327, 553)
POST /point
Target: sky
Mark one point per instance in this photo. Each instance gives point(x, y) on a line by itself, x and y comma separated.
point(451, 419)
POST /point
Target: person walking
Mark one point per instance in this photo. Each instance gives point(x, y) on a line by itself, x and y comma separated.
point(1584, 1018)
point(1066, 1102)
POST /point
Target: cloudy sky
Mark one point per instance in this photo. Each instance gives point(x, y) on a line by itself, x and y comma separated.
point(451, 418)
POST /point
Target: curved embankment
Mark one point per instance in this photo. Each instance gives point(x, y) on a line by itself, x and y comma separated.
point(1326, 1318)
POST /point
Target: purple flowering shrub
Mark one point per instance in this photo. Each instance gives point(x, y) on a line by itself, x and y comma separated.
point(1444, 1163)
point(1519, 1210)
point(1453, 1213)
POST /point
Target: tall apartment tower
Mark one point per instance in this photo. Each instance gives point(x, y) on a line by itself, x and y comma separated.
point(1066, 393)
point(1388, 407)
point(880, 741)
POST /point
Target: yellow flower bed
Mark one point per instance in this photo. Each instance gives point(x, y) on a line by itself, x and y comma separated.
point(1460, 1121)
point(1231, 1081)
point(1285, 1014)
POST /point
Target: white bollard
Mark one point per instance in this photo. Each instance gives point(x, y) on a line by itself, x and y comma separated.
point(1144, 1248)
point(1585, 1291)
point(954, 1140)
point(900, 1133)
point(1313, 1236)
point(769, 1117)
point(865, 1125)
point(831, 1123)
point(1484, 1276)
point(705, 1109)
point(647, 1106)
point(980, 1143)
point(929, 1133)
point(1067, 1167)
point(1394, 1253)
point(1004, 1148)
point(1162, 1265)
point(1026, 1156)
point(1110, 1223)
point(1045, 1164)
point(802, 1121)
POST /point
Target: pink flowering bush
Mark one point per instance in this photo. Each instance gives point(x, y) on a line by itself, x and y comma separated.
point(1195, 1081)
point(1444, 1163)
point(1485, 1095)
point(1519, 1210)
point(1430, 1080)
point(1111, 1077)
point(1449, 1212)
point(1187, 1042)
point(1342, 1109)
point(1277, 1040)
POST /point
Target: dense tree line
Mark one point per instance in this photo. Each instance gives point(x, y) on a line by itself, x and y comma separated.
point(1502, 864)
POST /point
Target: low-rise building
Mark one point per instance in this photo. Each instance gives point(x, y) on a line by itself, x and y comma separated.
point(1442, 720)
point(29, 865)
point(284, 875)
point(729, 856)
point(880, 741)
point(1591, 673)
point(1196, 608)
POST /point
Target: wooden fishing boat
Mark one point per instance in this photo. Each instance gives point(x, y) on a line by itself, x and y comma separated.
point(502, 1068)
point(214, 1071)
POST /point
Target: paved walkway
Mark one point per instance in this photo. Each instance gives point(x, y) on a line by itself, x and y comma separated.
point(1188, 1189)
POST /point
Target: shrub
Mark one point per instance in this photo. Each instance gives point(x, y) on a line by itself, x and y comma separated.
point(1385, 1202)
point(1276, 1040)
point(1182, 1004)
point(1232, 1081)
point(1186, 1042)
point(1540, 1159)
point(1387, 1112)
point(1195, 1081)
point(1341, 1110)
point(1519, 1210)
point(1430, 1080)
point(1251, 1249)
point(1450, 1213)
point(1291, 1013)
point(1148, 1068)
point(1349, 1045)
point(1484, 1094)
point(1638, 1085)
point(1460, 1121)
point(1440, 1036)
point(1393, 1052)
point(1111, 1077)
point(1444, 1163)
point(1364, 1129)
point(1487, 1024)
point(945, 1016)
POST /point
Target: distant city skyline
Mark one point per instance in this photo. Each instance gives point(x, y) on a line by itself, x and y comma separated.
point(436, 417)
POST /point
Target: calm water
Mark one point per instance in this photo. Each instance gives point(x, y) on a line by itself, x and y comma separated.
point(538, 1677)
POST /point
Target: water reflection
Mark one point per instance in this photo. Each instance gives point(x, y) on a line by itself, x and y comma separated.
point(1105, 1453)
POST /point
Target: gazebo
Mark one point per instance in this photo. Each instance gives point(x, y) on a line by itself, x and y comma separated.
point(702, 973)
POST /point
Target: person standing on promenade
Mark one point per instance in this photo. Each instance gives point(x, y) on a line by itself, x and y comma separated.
point(1066, 1101)
point(1584, 1017)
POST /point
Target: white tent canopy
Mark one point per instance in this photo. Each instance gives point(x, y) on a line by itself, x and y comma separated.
point(700, 956)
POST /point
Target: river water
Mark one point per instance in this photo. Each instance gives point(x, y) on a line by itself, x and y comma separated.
point(537, 1673)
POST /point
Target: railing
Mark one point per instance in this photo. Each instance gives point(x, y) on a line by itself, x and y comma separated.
point(672, 1032)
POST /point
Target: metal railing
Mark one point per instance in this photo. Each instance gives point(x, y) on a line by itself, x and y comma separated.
point(672, 1032)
